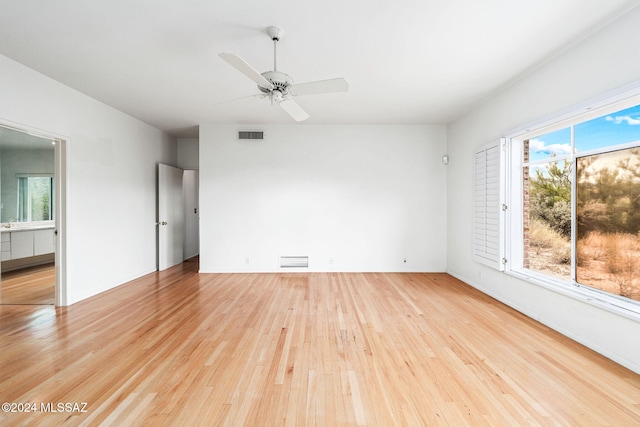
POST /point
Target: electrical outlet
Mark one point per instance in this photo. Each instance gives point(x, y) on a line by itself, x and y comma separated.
point(330, 260)
point(404, 260)
point(246, 260)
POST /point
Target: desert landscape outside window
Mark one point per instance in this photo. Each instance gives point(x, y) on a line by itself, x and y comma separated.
point(581, 203)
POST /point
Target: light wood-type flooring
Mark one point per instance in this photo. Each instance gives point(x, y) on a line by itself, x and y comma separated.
point(31, 285)
point(318, 349)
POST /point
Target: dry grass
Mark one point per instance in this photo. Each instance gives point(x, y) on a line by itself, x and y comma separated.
point(544, 239)
point(591, 247)
point(610, 262)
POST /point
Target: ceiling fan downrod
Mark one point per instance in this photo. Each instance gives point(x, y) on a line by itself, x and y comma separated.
point(275, 33)
point(275, 44)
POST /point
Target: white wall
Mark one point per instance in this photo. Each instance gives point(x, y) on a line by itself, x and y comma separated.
point(592, 68)
point(352, 198)
point(188, 156)
point(111, 177)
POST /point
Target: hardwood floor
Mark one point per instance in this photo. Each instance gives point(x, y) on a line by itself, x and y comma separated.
point(32, 285)
point(326, 349)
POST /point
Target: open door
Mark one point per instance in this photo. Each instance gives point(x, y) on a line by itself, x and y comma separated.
point(170, 217)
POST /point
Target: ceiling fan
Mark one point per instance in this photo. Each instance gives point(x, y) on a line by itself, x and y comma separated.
point(278, 86)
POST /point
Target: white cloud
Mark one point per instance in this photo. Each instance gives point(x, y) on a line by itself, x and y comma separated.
point(538, 146)
point(619, 119)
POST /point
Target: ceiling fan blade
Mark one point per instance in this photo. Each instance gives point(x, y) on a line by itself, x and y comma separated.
point(294, 110)
point(241, 65)
point(228, 101)
point(321, 86)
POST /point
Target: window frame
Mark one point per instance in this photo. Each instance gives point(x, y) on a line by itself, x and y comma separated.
point(514, 198)
point(20, 197)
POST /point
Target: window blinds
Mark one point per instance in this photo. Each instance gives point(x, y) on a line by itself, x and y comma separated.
point(488, 205)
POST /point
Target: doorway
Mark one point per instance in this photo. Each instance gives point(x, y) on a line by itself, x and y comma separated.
point(31, 171)
point(178, 216)
point(190, 192)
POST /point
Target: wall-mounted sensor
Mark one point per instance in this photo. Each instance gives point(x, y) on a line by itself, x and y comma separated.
point(445, 159)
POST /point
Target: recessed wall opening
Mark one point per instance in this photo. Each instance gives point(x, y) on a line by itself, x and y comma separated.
point(31, 210)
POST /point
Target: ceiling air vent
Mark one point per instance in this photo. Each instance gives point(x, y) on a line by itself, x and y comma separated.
point(250, 134)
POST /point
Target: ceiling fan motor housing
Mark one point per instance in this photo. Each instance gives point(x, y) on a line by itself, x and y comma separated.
point(279, 80)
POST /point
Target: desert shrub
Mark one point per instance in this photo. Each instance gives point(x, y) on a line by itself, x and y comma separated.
point(608, 198)
point(592, 217)
point(550, 197)
point(620, 250)
point(622, 261)
point(591, 247)
point(557, 216)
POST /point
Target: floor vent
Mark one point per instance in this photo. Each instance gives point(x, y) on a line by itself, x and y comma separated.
point(250, 134)
point(294, 261)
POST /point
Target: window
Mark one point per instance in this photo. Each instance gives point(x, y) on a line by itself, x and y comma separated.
point(35, 196)
point(608, 222)
point(577, 214)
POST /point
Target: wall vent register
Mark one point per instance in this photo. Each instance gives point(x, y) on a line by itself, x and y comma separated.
point(294, 261)
point(250, 134)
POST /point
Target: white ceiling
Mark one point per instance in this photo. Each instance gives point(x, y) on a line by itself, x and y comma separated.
point(407, 61)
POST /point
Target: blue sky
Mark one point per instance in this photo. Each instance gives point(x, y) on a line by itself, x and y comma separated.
point(613, 129)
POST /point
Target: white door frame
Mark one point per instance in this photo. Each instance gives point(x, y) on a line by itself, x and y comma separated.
point(61, 221)
point(60, 203)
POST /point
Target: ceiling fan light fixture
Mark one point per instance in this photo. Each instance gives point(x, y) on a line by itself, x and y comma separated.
point(276, 97)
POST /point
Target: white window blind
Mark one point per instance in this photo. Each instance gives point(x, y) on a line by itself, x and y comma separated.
point(488, 213)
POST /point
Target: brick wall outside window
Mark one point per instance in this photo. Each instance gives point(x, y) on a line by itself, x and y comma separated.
point(526, 219)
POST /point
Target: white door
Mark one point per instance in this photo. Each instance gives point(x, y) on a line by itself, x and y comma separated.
point(170, 216)
point(191, 214)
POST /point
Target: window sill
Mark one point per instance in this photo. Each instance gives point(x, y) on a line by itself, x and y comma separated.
point(613, 304)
